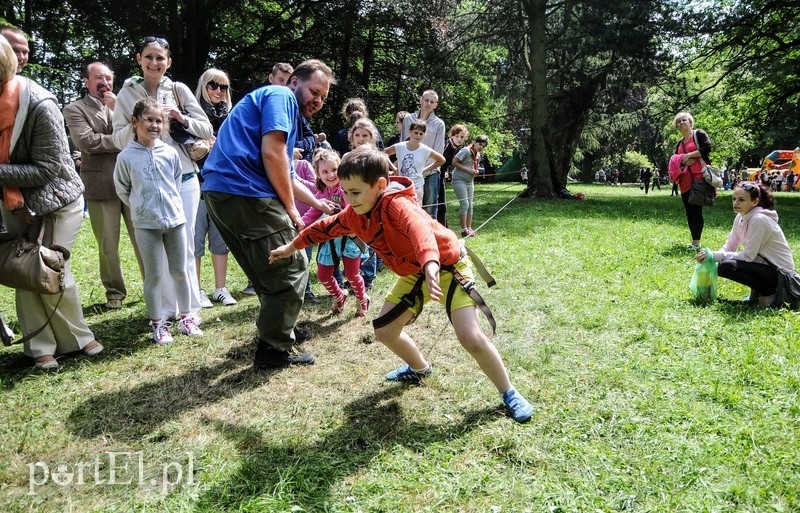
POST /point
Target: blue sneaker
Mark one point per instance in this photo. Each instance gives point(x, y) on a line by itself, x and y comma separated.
point(406, 374)
point(519, 407)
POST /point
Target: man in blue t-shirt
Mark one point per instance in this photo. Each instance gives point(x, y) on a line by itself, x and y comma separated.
point(249, 189)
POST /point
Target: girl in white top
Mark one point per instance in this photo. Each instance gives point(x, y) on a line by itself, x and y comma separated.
point(756, 228)
point(148, 178)
point(155, 59)
point(412, 156)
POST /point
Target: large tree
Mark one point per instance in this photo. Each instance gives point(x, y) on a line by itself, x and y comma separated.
point(566, 60)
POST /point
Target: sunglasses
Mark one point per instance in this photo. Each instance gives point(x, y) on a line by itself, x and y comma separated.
point(214, 86)
point(157, 40)
point(749, 186)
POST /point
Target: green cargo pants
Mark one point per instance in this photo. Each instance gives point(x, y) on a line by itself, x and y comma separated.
point(252, 227)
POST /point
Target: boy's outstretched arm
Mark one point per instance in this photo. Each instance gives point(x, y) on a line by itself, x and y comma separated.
point(431, 270)
point(284, 251)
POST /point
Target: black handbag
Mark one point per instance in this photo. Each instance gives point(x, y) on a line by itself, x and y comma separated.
point(196, 147)
point(788, 292)
point(702, 194)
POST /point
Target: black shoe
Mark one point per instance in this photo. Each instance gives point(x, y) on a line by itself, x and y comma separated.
point(301, 334)
point(311, 298)
point(368, 286)
point(270, 357)
point(346, 285)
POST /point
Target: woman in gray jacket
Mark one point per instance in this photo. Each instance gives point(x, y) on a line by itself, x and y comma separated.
point(35, 157)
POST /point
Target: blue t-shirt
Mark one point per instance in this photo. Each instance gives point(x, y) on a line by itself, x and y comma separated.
point(234, 165)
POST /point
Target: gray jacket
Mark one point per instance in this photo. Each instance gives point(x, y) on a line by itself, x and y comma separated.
point(149, 180)
point(41, 166)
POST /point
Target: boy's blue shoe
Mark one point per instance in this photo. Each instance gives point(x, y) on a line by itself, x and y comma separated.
point(519, 407)
point(406, 374)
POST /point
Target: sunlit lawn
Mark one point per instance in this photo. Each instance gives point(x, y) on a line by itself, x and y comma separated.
point(645, 401)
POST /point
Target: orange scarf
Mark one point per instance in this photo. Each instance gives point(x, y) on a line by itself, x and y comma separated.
point(9, 105)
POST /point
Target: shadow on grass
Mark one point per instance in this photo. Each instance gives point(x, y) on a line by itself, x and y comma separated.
point(122, 333)
point(139, 411)
point(99, 308)
point(280, 477)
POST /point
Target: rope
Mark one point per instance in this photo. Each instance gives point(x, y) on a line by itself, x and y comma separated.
point(500, 210)
point(455, 201)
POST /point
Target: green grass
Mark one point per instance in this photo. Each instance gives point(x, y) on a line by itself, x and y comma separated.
point(645, 401)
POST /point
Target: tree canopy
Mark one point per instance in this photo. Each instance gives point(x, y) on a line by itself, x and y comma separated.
point(569, 85)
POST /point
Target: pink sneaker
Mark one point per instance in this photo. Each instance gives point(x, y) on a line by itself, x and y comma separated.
point(188, 326)
point(161, 334)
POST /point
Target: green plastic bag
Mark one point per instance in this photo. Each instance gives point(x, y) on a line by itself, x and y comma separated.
point(704, 279)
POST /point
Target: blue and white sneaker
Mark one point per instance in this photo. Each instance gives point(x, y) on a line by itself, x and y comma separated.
point(519, 407)
point(406, 374)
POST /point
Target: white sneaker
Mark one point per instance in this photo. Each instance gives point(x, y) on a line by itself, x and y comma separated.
point(223, 296)
point(188, 326)
point(161, 334)
point(204, 301)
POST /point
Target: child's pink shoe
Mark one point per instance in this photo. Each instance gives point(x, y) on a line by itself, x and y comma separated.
point(363, 307)
point(338, 303)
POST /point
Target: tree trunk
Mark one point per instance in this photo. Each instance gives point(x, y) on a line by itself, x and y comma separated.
point(369, 59)
point(540, 182)
point(568, 114)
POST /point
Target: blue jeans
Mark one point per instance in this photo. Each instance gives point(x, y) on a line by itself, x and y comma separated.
point(430, 197)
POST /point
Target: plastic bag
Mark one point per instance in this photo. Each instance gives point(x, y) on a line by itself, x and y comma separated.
point(704, 279)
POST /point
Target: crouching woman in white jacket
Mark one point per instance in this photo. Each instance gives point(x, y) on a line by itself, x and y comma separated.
point(765, 249)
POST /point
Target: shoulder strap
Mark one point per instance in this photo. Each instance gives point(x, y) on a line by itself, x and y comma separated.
point(179, 103)
point(697, 145)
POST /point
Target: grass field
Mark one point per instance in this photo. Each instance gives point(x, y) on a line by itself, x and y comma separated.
point(645, 401)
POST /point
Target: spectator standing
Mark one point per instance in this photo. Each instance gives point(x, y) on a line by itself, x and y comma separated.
point(155, 59)
point(398, 130)
point(148, 178)
point(458, 134)
point(352, 110)
point(646, 175)
point(19, 43)
point(38, 167)
point(249, 189)
point(466, 164)
point(213, 93)
point(434, 139)
point(415, 159)
point(90, 122)
point(656, 179)
point(694, 148)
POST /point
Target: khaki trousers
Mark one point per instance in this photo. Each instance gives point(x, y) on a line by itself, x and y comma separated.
point(67, 331)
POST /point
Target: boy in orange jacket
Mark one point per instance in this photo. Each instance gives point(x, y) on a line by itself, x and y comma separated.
point(383, 213)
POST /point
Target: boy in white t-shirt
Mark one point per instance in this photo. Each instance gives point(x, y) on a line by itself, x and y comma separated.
point(412, 156)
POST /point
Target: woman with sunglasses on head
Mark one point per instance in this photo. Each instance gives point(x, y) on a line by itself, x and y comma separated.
point(155, 59)
point(214, 95)
point(756, 228)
